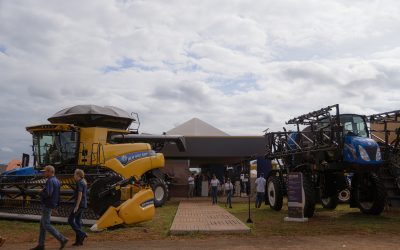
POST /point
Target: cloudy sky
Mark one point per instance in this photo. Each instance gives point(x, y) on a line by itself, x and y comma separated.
point(242, 66)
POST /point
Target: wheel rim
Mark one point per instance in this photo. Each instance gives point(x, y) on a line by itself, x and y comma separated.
point(366, 196)
point(366, 204)
point(325, 201)
point(271, 193)
point(344, 195)
point(159, 193)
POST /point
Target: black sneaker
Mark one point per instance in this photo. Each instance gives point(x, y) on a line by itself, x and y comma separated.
point(63, 243)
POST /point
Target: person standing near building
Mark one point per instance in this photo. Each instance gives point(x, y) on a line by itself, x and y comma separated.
point(75, 218)
point(228, 192)
point(50, 199)
point(214, 183)
point(191, 185)
point(260, 187)
point(197, 185)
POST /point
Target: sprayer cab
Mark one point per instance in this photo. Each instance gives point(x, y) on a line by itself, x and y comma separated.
point(358, 148)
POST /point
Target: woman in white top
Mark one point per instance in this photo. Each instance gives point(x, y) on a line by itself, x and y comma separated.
point(228, 191)
point(214, 183)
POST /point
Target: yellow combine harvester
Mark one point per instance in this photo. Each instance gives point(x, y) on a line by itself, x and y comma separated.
point(122, 169)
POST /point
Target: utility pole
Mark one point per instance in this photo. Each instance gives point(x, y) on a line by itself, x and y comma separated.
point(247, 162)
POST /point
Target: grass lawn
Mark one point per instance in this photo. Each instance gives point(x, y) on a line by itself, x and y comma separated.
point(22, 231)
point(343, 220)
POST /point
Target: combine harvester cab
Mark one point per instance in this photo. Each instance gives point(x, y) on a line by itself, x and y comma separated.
point(327, 147)
point(122, 175)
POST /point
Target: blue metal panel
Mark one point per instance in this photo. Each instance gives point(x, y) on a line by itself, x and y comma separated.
point(263, 166)
point(351, 150)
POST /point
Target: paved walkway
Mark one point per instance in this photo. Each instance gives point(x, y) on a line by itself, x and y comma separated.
point(200, 216)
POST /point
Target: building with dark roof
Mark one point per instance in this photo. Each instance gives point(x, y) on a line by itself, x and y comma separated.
point(209, 151)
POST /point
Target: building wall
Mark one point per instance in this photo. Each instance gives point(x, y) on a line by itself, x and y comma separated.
point(210, 153)
point(179, 171)
point(392, 126)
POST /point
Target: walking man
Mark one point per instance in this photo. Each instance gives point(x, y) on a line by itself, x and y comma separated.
point(228, 191)
point(75, 218)
point(50, 198)
point(214, 183)
point(260, 187)
point(191, 185)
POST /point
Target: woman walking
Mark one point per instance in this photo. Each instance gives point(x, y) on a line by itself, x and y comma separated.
point(75, 218)
point(228, 191)
point(214, 189)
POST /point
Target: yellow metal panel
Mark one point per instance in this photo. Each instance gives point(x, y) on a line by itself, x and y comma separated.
point(94, 135)
point(91, 142)
point(136, 168)
point(109, 218)
point(158, 161)
point(115, 150)
point(50, 127)
point(136, 210)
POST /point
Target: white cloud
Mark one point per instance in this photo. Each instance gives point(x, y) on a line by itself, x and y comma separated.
point(243, 66)
point(6, 149)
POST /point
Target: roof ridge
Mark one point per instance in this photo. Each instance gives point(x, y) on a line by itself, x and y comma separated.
point(197, 127)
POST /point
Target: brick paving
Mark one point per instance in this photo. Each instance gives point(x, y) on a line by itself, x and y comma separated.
point(200, 216)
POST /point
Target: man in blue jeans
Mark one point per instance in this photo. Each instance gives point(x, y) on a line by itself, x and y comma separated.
point(260, 187)
point(50, 198)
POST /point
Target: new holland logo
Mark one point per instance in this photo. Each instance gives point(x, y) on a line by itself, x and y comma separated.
point(128, 158)
point(147, 203)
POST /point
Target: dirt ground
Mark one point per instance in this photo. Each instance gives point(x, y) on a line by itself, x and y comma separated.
point(343, 228)
point(364, 242)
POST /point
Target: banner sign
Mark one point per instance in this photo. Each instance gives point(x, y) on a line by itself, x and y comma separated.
point(295, 195)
